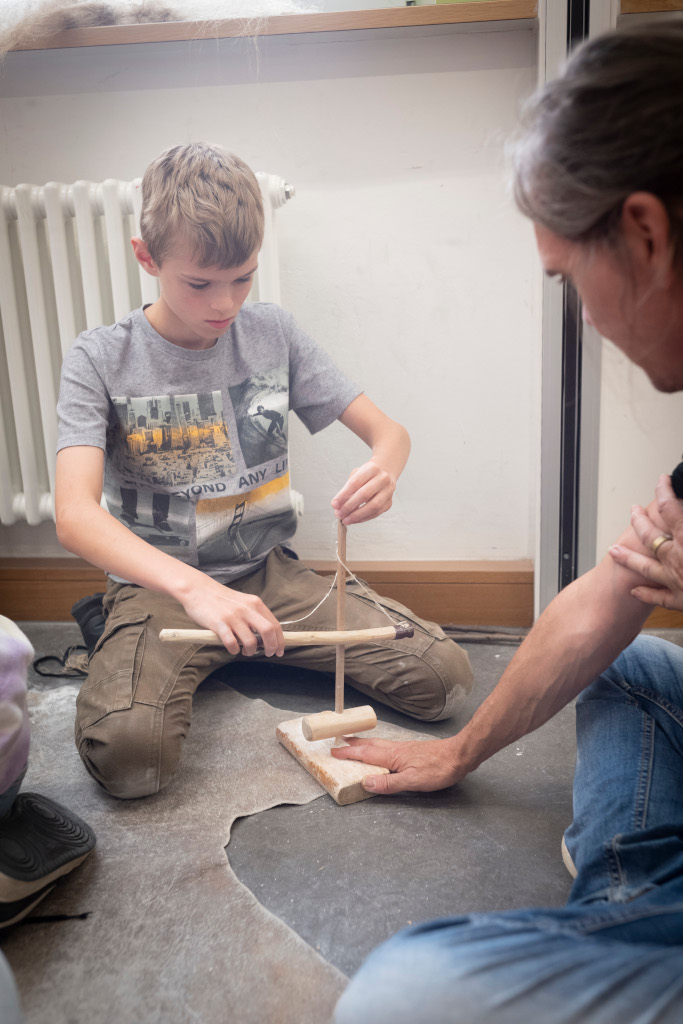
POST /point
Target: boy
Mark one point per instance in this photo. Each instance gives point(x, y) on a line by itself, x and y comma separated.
point(162, 410)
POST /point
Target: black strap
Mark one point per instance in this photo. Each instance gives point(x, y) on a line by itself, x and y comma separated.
point(61, 668)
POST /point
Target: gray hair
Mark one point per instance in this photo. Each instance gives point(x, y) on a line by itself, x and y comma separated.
point(610, 125)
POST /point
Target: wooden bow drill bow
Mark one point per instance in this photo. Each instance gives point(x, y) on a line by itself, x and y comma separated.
point(310, 738)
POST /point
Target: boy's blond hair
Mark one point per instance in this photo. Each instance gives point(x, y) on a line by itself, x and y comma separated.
point(201, 197)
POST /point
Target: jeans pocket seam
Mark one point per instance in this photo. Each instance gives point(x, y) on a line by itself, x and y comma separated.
point(118, 686)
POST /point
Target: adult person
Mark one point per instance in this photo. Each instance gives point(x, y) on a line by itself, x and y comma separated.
point(598, 168)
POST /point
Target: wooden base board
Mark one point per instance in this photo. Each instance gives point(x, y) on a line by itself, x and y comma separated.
point(472, 593)
point(45, 589)
point(467, 593)
point(475, 593)
point(341, 779)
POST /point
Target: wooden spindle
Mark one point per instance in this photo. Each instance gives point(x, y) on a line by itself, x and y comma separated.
point(341, 617)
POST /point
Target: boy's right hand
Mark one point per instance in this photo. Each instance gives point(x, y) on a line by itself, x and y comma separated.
point(235, 617)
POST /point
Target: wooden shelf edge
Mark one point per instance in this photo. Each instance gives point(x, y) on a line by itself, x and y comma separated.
point(292, 24)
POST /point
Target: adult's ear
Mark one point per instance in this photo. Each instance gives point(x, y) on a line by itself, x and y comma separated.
point(646, 230)
point(143, 257)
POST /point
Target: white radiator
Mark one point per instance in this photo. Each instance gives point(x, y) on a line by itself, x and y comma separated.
point(66, 265)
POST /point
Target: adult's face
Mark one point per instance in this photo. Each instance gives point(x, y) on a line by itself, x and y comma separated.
point(633, 297)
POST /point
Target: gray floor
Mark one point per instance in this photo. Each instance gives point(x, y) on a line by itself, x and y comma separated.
point(346, 878)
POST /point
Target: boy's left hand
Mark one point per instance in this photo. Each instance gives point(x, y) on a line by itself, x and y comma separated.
point(366, 494)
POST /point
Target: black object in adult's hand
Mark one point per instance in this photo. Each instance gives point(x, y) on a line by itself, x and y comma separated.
point(677, 480)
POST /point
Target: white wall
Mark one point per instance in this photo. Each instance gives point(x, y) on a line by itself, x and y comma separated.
point(641, 437)
point(401, 252)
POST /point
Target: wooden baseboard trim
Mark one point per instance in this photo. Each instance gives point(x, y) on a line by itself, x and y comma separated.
point(464, 593)
point(664, 618)
point(45, 589)
point(474, 593)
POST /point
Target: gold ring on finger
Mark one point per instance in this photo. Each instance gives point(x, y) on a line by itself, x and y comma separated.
point(658, 541)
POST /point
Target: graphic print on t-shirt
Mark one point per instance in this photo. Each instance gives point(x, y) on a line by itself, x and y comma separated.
point(159, 518)
point(241, 527)
point(165, 443)
point(261, 406)
point(173, 440)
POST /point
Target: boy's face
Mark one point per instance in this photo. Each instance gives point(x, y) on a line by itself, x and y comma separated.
point(196, 304)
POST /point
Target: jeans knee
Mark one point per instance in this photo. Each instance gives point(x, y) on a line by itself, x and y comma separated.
point(120, 754)
point(516, 967)
point(10, 1011)
point(380, 992)
point(413, 977)
point(649, 664)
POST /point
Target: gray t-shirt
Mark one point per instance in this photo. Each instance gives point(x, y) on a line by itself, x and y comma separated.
point(196, 442)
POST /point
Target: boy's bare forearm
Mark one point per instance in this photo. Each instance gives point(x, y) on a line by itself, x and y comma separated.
point(391, 448)
point(94, 534)
point(388, 440)
point(91, 532)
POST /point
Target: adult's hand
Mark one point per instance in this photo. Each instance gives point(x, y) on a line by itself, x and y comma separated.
point(417, 765)
point(663, 571)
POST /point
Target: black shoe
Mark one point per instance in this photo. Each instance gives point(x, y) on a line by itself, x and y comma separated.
point(89, 615)
point(39, 842)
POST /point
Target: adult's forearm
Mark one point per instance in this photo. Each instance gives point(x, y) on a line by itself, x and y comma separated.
point(576, 638)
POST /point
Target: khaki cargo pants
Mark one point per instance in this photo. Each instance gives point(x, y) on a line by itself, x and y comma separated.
point(134, 709)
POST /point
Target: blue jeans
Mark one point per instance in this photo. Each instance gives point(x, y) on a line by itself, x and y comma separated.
point(614, 954)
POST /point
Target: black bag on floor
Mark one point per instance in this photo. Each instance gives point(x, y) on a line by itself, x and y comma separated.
point(89, 615)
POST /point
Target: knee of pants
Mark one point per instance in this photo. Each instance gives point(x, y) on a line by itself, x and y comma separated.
point(410, 978)
point(127, 752)
point(430, 685)
point(648, 663)
point(451, 678)
point(512, 968)
point(10, 1012)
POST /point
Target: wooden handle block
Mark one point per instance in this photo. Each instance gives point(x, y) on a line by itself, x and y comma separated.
point(328, 723)
point(302, 638)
